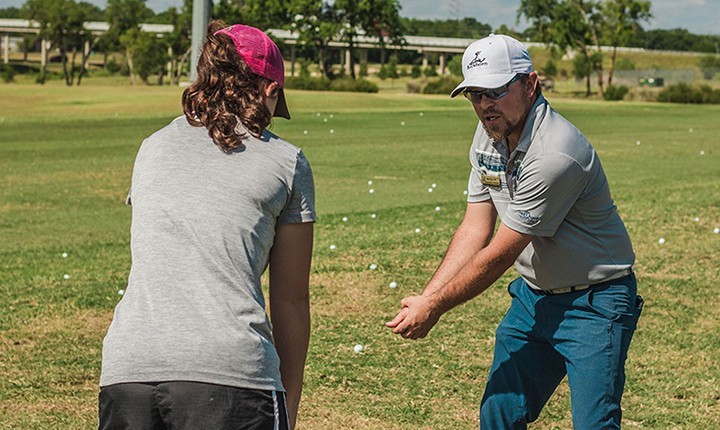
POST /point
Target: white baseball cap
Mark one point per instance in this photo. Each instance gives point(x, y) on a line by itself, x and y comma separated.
point(491, 62)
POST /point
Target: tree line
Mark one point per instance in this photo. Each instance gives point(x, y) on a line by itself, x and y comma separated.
point(581, 26)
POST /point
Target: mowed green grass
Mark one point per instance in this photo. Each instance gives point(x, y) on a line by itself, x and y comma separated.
point(66, 158)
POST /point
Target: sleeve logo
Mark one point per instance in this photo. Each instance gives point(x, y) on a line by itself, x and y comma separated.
point(526, 218)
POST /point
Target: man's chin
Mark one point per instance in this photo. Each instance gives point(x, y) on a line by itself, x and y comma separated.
point(494, 134)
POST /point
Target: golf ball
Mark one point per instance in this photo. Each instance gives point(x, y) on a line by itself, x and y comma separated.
point(324, 119)
point(373, 266)
point(702, 152)
point(716, 230)
point(393, 284)
point(121, 292)
point(373, 216)
point(333, 247)
point(369, 182)
point(437, 208)
point(371, 191)
point(433, 185)
point(696, 219)
point(64, 255)
point(344, 219)
point(417, 230)
point(66, 276)
point(661, 240)
point(465, 192)
point(304, 131)
point(637, 143)
point(332, 131)
point(430, 190)
point(358, 349)
point(402, 123)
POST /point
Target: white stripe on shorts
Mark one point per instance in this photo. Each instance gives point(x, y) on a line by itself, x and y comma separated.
point(276, 409)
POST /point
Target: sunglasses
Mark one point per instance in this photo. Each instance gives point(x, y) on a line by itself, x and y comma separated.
point(491, 93)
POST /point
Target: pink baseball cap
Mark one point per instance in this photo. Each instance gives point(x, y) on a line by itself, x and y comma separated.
point(262, 56)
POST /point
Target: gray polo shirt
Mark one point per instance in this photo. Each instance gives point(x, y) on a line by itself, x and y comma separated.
point(203, 224)
point(554, 188)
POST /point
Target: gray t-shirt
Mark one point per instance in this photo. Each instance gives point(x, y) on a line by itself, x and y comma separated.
point(554, 188)
point(202, 227)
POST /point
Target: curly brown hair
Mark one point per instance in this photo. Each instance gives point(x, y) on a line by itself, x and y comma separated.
point(226, 91)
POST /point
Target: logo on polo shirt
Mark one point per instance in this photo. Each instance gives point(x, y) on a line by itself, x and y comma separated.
point(526, 218)
point(477, 61)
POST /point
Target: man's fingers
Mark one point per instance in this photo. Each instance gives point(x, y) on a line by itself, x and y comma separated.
point(398, 318)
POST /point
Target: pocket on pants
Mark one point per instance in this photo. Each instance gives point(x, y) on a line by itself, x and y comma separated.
point(614, 302)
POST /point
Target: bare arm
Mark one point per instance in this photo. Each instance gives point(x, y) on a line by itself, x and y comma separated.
point(290, 306)
point(473, 234)
point(420, 313)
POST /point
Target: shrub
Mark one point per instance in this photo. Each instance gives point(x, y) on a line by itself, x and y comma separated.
point(363, 69)
point(550, 70)
point(685, 93)
point(414, 87)
point(430, 71)
point(7, 73)
point(615, 92)
point(643, 94)
point(455, 65)
point(444, 85)
point(113, 66)
point(353, 85)
point(416, 71)
point(624, 64)
point(307, 83)
point(325, 84)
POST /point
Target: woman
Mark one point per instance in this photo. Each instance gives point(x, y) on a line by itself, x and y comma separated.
point(216, 199)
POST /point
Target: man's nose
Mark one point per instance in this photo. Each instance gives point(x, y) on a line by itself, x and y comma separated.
point(486, 102)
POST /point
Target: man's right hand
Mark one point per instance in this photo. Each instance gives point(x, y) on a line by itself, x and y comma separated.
point(416, 318)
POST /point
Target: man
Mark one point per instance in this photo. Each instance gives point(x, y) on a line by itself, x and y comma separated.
point(575, 305)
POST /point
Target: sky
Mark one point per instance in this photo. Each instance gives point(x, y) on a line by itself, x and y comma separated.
point(697, 16)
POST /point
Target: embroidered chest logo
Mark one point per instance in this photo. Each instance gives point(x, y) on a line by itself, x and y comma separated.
point(477, 61)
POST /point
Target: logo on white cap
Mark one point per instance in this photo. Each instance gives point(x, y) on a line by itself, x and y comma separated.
point(477, 61)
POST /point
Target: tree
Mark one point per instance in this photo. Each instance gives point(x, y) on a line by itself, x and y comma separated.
point(568, 24)
point(124, 17)
point(179, 41)
point(709, 65)
point(622, 24)
point(61, 23)
point(381, 18)
point(317, 26)
point(150, 54)
point(375, 18)
point(262, 14)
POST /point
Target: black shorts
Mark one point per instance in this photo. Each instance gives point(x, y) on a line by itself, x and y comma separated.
point(190, 405)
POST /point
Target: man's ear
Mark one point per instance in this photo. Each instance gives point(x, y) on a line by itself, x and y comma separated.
point(532, 83)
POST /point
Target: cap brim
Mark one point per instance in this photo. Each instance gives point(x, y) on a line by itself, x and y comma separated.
point(483, 81)
point(281, 108)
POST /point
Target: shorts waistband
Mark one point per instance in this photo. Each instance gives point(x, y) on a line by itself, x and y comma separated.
point(565, 290)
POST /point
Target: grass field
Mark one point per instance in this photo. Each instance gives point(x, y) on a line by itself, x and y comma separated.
point(66, 156)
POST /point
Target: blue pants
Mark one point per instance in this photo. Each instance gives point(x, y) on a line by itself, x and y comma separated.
point(584, 334)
